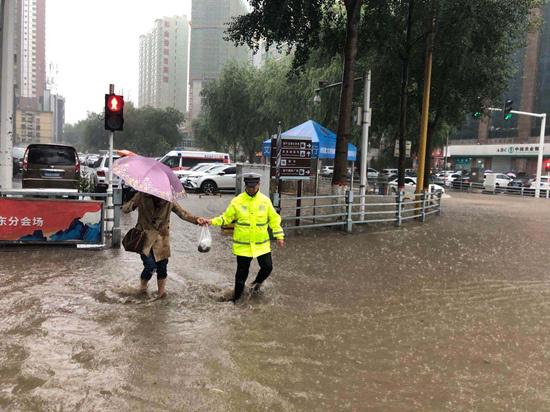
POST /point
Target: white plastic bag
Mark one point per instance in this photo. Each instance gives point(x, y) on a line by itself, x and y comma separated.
point(205, 240)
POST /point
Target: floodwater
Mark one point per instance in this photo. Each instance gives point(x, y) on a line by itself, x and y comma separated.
point(450, 315)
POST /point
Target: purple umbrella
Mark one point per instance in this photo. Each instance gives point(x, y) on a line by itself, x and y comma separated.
point(149, 176)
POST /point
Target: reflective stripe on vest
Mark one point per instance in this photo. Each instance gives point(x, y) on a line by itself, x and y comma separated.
point(248, 243)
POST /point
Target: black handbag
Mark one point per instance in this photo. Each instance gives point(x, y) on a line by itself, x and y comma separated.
point(134, 240)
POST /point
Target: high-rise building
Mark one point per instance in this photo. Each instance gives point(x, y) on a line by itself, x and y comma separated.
point(163, 64)
point(262, 56)
point(209, 51)
point(503, 145)
point(32, 52)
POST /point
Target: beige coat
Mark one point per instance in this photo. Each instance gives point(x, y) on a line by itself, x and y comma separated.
point(155, 222)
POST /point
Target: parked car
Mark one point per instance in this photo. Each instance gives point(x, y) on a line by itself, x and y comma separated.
point(388, 172)
point(100, 175)
point(326, 171)
point(410, 186)
point(544, 183)
point(17, 155)
point(372, 173)
point(201, 167)
point(223, 177)
point(443, 176)
point(496, 179)
point(521, 183)
point(91, 159)
point(461, 182)
point(50, 166)
point(450, 179)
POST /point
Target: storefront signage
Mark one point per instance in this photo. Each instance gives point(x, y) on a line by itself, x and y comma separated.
point(497, 150)
point(50, 221)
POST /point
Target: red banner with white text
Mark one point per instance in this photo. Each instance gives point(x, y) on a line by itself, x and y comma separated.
point(50, 221)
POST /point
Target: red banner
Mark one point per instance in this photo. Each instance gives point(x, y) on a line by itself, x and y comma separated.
point(52, 221)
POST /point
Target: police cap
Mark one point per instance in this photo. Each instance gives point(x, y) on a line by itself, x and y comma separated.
point(251, 179)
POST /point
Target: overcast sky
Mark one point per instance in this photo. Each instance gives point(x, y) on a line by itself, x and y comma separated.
point(95, 43)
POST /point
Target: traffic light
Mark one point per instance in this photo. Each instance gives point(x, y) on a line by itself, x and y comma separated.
point(477, 114)
point(547, 165)
point(507, 109)
point(114, 112)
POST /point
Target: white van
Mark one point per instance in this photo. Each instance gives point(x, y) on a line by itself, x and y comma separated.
point(186, 159)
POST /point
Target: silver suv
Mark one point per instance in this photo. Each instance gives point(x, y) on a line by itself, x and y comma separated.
point(219, 178)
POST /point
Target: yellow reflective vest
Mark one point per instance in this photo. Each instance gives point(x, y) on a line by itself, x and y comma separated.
point(252, 215)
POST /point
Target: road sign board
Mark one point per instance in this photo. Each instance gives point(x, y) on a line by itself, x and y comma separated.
point(293, 159)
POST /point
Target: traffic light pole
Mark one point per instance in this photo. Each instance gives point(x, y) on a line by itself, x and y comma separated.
point(542, 116)
point(110, 216)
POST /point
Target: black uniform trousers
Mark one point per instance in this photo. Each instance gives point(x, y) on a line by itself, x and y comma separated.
point(243, 266)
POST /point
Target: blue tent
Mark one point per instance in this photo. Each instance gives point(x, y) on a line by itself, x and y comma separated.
point(324, 141)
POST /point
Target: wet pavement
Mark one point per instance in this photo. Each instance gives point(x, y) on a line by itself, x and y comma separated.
point(449, 315)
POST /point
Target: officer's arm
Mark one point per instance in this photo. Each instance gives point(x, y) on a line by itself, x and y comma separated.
point(274, 220)
point(183, 214)
point(227, 217)
point(132, 204)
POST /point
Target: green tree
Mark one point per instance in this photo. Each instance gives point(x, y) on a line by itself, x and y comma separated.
point(298, 24)
point(245, 105)
point(147, 131)
point(472, 58)
point(472, 52)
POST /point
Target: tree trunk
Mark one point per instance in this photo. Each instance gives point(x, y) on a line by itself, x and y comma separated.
point(339, 178)
point(427, 165)
point(403, 101)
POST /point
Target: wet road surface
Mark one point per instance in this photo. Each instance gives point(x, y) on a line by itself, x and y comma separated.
point(449, 315)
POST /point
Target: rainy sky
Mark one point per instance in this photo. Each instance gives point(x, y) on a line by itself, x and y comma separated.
point(95, 43)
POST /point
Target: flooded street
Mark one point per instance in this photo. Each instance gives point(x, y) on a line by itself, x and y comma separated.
point(449, 315)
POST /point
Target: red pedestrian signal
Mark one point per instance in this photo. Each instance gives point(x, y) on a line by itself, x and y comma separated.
point(114, 112)
point(547, 165)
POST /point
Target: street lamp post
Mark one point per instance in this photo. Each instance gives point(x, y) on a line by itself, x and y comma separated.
point(542, 116)
point(366, 120)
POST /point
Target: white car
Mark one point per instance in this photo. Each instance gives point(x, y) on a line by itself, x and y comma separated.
point(450, 179)
point(444, 176)
point(223, 177)
point(544, 183)
point(388, 172)
point(410, 186)
point(496, 179)
point(326, 171)
point(201, 167)
point(100, 174)
point(372, 173)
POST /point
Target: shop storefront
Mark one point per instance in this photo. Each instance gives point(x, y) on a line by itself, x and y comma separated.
point(498, 157)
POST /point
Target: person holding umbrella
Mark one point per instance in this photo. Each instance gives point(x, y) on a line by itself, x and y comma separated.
point(252, 212)
point(158, 189)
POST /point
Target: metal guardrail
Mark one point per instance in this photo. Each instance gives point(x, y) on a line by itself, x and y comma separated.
point(347, 210)
point(507, 190)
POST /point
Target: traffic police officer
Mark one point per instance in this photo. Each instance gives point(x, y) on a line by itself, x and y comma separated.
point(252, 213)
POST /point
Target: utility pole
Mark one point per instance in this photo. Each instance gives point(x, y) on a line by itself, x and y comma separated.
point(365, 143)
point(425, 109)
point(7, 7)
point(403, 101)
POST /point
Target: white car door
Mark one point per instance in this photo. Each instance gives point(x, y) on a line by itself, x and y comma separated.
point(228, 179)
